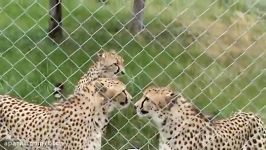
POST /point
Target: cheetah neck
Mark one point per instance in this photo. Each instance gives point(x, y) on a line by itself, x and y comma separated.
point(92, 105)
point(177, 121)
point(96, 71)
point(181, 114)
point(88, 97)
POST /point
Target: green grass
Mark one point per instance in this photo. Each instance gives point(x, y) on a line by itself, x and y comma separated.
point(219, 78)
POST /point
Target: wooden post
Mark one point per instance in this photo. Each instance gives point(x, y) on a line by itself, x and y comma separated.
point(55, 22)
point(138, 10)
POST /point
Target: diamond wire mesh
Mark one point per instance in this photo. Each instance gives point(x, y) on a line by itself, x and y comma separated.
point(212, 51)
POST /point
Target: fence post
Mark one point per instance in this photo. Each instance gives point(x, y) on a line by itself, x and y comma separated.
point(55, 22)
point(138, 10)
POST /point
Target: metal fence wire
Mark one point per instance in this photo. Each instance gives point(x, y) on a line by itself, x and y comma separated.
point(212, 51)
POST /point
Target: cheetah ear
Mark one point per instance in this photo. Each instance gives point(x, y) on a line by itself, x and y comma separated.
point(170, 100)
point(112, 51)
point(100, 87)
point(101, 53)
point(171, 97)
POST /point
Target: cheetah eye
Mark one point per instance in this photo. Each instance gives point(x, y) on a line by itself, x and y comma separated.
point(124, 91)
point(146, 99)
point(172, 94)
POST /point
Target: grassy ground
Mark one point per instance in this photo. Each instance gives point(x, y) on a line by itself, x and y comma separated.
point(213, 52)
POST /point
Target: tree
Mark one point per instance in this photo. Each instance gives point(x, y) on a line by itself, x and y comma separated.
point(138, 10)
point(55, 22)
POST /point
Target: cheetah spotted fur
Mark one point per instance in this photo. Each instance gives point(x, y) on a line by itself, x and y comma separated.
point(183, 127)
point(108, 65)
point(76, 124)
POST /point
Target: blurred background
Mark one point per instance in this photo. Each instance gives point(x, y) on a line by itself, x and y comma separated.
point(212, 51)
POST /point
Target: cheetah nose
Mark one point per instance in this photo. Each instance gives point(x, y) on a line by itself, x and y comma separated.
point(125, 102)
point(122, 72)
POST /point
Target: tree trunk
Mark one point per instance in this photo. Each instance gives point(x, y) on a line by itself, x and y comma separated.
point(55, 22)
point(138, 10)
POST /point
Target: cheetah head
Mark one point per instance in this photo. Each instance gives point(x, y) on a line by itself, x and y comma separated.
point(113, 91)
point(111, 64)
point(156, 102)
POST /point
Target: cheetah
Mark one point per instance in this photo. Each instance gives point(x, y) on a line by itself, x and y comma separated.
point(182, 127)
point(75, 124)
point(109, 65)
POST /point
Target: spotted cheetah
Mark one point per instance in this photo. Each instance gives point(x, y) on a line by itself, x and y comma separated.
point(183, 127)
point(76, 124)
point(108, 65)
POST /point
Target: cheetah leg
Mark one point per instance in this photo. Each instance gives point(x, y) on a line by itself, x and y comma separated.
point(257, 142)
point(4, 134)
point(5, 137)
point(94, 141)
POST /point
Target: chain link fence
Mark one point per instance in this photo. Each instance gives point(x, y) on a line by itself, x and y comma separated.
point(212, 51)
